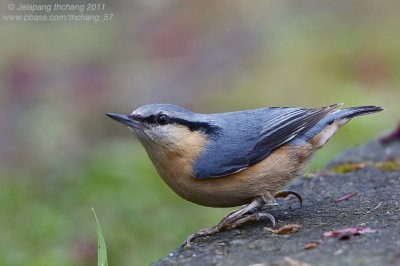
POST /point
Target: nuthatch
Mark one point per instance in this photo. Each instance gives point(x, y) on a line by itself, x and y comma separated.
point(236, 158)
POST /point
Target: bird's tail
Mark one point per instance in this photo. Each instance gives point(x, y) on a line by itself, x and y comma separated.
point(351, 112)
point(327, 127)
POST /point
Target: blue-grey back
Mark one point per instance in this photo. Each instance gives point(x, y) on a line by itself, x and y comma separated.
point(247, 137)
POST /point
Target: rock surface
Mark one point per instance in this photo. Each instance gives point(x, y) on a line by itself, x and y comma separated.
point(372, 171)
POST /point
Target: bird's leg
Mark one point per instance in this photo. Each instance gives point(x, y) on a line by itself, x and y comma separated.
point(237, 218)
point(286, 193)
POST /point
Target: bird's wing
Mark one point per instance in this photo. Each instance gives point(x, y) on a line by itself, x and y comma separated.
point(242, 144)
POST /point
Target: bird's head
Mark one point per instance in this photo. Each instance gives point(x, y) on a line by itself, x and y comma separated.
point(166, 127)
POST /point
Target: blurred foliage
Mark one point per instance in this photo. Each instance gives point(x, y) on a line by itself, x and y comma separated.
point(60, 156)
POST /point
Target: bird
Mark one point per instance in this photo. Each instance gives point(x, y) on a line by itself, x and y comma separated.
point(241, 158)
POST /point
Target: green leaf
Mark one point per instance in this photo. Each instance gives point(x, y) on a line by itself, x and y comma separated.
point(101, 244)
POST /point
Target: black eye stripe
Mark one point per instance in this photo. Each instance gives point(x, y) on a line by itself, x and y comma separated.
point(156, 119)
point(149, 119)
point(192, 125)
point(197, 126)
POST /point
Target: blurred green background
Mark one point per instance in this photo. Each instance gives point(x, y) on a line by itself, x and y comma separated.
point(60, 155)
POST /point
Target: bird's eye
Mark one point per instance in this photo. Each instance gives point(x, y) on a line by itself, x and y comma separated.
point(162, 119)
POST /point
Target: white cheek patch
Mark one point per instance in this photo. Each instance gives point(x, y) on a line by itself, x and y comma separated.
point(163, 135)
point(172, 138)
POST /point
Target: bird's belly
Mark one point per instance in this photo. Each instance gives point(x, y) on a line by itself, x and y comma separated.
point(263, 178)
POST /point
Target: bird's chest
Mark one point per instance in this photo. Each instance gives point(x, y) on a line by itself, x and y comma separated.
point(268, 176)
point(176, 171)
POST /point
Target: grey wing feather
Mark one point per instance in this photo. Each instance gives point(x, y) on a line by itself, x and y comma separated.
point(241, 145)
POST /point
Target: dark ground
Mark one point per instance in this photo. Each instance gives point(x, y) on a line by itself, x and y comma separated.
point(372, 170)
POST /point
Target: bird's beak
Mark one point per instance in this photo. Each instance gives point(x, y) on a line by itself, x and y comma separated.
point(125, 119)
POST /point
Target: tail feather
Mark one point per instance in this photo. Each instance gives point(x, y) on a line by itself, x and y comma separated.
point(326, 128)
point(351, 112)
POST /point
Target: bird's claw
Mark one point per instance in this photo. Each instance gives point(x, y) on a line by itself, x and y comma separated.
point(286, 193)
point(203, 232)
point(269, 216)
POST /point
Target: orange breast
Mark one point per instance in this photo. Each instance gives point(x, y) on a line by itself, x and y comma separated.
point(263, 178)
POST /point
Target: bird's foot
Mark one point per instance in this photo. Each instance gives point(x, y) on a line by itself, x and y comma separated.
point(287, 193)
point(237, 218)
point(228, 226)
point(247, 213)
